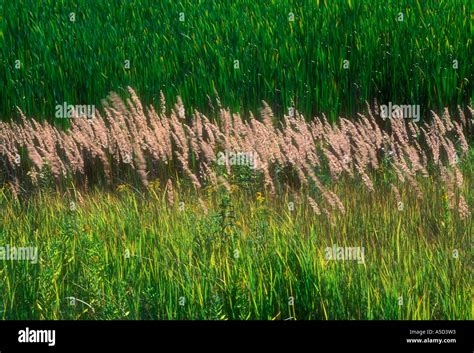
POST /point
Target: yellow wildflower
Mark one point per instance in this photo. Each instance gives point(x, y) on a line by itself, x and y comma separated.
point(122, 188)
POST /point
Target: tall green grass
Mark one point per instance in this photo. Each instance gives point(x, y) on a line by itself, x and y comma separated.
point(131, 255)
point(407, 62)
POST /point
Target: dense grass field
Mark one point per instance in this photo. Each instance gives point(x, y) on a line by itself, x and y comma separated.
point(244, 168)
point(237, 255)
point(286, 52)
point(176, 235)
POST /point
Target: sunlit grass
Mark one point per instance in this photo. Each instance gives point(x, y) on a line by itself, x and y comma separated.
point(132, 255)
point(405, 60)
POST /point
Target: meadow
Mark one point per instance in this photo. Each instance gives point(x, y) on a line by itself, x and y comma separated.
point(131, 255)
point(231, 160)
point(129, 229)
point(318, 56)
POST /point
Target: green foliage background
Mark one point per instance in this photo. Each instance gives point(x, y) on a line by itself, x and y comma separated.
point(408, 62)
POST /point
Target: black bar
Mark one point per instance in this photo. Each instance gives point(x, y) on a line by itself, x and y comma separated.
point(294, 336)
